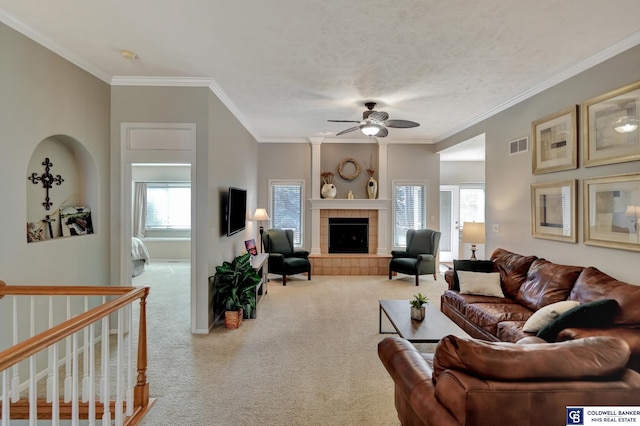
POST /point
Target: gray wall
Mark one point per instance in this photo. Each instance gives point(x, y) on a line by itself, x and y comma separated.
point(457, 172)
point(43, 95)
point(508, 178)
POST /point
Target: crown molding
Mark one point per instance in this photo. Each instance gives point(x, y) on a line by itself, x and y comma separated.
point(160, 81)
point(47, 43)
point(608, 53)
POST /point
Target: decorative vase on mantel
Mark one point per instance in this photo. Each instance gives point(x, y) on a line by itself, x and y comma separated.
point(329, 191)
point(372, 188)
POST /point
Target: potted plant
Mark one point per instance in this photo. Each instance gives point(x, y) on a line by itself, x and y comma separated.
point(235, 283)
point(417, 308)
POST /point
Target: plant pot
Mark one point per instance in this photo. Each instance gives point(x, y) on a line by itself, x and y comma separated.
point(417, 313)
point(329, 191)
point(372, 188)
point(232, 319)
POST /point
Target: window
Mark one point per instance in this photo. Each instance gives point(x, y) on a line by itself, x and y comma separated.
point(409, 209)
point(286, 206)
point(168, 205)
point(471, 202)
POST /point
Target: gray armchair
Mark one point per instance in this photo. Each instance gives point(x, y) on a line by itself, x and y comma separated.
point(419, 258)
point(283, 259)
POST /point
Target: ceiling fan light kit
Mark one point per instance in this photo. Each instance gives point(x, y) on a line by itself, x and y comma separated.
point(375, 123)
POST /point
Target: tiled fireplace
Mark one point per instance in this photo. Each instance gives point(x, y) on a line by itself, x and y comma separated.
point(374, 262)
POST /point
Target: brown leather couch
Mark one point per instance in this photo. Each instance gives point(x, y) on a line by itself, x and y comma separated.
point(472, 382)
point(530, 283)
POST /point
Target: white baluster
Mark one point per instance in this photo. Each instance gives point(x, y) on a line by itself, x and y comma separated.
point(15, 381)
point(75, 411)
point(33, 392)
point(92, 376)
point(105, 397)
point(85, 359)
point(67, 361)
point(55, 383)
point(53, 363)
point(6, 414)
point(130, 382)
point(119, 375)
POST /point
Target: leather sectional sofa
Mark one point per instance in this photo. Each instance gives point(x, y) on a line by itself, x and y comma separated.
point(529, 284)
point(478, 383)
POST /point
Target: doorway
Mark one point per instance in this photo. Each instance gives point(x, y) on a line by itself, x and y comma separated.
point(449, 222)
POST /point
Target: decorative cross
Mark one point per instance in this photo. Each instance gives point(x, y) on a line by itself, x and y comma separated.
point(47, 180)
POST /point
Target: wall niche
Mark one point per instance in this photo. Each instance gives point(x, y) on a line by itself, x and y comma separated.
point(61, 190)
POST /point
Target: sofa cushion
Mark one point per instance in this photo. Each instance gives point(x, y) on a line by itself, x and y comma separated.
point(513, 269)
point(511, 331)
point(593, 284)
point(546, 314)
point(471, 265)
point(575, 359)
point(599, 313)
point(480, 283)
point(488, 315)
point(547, 283)
point(461, 301)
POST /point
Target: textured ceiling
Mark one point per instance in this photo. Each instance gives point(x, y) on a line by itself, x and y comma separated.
point(284, 67)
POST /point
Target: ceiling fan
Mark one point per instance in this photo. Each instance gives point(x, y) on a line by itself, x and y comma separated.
point(375, 123)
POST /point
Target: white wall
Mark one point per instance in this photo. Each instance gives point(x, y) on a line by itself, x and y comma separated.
point(508, 178)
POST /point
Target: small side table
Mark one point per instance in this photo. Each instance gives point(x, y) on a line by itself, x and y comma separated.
point(260, 264)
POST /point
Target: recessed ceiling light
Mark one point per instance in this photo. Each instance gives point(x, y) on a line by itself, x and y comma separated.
point(127, 54)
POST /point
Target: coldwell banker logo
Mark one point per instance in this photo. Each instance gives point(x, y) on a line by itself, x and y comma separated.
point(575, 416)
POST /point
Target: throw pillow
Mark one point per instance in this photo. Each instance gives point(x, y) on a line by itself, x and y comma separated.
point(596, 314)
point(480, 283)
point(546, 314)
point(470, 265)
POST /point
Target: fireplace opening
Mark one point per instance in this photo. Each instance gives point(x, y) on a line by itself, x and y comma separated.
point(348, 235)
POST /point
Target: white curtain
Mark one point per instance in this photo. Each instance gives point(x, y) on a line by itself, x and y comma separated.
point(139, 209)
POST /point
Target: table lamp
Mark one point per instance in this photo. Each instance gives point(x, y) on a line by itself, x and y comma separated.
point(260, 215)
point(473, 233)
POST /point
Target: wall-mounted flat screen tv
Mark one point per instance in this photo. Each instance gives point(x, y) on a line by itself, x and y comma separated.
point(236, 210)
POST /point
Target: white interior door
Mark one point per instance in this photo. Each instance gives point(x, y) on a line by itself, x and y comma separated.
point(449, 222)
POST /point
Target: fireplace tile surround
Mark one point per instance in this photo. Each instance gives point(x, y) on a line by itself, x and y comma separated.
point(375, 262)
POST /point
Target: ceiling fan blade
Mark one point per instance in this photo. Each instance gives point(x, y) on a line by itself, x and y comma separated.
point(378, 115)
point(382, 133)
point(343, 121)
point(403, 124)
point(350, 129)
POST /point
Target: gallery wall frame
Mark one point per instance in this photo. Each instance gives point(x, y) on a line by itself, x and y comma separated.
point(609, 122)
point(555, 142)
point(611, 211)
point(553, 211)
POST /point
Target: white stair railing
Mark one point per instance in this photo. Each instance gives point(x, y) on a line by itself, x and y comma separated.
point(88, 392)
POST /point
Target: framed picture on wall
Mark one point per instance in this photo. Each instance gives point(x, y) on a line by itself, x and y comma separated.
point(610, 131)
point(76, 221)
point(555, 142)
point(612, 210)
point(553, 211)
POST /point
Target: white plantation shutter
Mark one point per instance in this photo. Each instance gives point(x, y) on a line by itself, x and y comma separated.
point(410, 210)
point(286, 207)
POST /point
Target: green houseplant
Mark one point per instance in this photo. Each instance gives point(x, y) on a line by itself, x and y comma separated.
point(235, 283)
point(417, 306)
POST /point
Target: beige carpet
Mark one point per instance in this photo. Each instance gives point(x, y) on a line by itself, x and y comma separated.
point(310, 357)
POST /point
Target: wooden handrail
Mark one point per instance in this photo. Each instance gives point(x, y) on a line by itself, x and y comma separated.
point(41, 341)
point(43, 290)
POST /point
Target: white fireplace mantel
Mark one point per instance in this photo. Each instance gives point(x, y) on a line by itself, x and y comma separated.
point(381, 205)
point(345, 204)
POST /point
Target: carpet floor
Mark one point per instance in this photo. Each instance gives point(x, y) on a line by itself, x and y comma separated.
point(309, 358)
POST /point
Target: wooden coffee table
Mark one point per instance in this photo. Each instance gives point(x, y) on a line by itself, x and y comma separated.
point(432, 329)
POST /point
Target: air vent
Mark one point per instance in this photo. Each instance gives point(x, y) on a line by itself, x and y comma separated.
point(519, 145)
